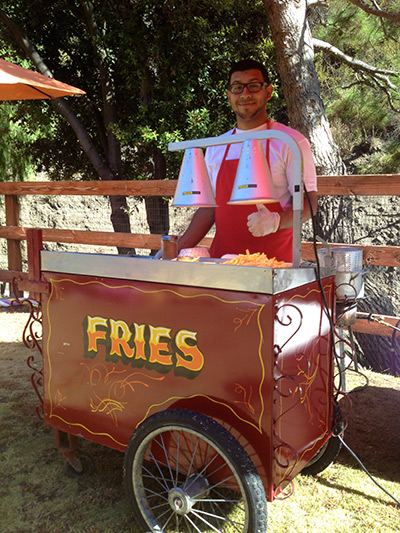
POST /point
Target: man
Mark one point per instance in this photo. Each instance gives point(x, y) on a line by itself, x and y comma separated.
point(242, 227)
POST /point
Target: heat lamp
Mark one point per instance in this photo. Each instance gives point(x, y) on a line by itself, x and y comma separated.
point(253, 183)
point(194, 187)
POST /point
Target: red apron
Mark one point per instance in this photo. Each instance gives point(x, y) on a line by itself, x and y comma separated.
point(232, 235)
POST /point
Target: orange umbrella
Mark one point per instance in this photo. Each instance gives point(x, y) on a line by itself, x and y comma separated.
point(17, 83)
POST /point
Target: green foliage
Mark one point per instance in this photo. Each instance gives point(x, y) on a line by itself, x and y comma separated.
point(179, 62)
point(385, 156)
point(19, 132)
point(360, 106)
point(167, 60)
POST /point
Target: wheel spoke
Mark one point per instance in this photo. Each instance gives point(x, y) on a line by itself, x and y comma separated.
point(193, 464)
point(152, 494)
point(236, 503)
point(224, 518)
point(209, 462)
point(214, 507)
point(170, 458)
point(162, 477)
point(198, 515)
point(221, 467)
point(166, 454)
point(177, 458)
point(171, 516)
point(191, 447)
point(224, 500)
point(187, 517)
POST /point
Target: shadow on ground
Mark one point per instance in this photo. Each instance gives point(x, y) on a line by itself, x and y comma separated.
point(373, 431)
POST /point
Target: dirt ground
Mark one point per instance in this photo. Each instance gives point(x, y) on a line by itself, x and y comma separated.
point(12, 324)
point(37, 497)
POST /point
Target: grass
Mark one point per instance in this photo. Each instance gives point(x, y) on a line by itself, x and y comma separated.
point(37, 496)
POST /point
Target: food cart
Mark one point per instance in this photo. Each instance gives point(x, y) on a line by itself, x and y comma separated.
point(215, 380)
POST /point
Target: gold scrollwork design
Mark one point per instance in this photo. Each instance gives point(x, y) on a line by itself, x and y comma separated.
point(239, 389)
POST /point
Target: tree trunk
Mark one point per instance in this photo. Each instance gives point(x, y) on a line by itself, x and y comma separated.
point(119, 207)
point(295, 60)
point(156, 206)
point(106, 170)
point(382, 354)
point(335, 221)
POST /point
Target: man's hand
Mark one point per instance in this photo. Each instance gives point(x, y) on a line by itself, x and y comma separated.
point(263, 222)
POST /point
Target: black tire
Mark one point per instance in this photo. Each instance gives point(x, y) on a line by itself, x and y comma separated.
point(324, 457)
point(172, 472)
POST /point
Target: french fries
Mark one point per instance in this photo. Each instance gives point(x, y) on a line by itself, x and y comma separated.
point(258, 259)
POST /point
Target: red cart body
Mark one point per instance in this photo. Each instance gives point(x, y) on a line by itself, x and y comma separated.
point(250, 347)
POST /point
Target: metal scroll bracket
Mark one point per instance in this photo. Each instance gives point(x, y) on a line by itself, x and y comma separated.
point(32, 334)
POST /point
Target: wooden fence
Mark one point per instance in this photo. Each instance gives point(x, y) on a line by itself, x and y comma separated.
point(366, 185)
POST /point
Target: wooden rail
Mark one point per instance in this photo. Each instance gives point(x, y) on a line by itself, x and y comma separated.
point(365, 185)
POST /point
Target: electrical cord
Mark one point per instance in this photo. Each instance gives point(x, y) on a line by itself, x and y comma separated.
point(343, 308)
point(394, 338)
point(360, 387)
point(342, 422)
point(396, 329)
point(366, 471)
point(318, 275)
point(373, 317)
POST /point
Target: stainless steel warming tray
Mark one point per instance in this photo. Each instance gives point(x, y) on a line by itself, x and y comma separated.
point(211, 273)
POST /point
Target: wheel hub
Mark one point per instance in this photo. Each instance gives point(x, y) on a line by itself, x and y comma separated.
point(181, 499)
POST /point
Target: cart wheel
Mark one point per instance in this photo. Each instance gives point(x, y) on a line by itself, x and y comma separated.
point(184, 472)
point(87, 468)
point(323, 458)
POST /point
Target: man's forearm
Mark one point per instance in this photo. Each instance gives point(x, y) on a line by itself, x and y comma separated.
point(199, 226)
point(287, 216)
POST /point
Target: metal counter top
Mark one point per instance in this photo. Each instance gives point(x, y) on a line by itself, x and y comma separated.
point(209, 273)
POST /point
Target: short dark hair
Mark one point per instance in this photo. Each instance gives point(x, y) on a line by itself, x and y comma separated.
point(248, 64)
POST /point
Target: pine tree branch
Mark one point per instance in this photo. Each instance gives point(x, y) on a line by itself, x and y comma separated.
point(386, 33)
point(376, 73)
point(394, 17)
point(376, 83)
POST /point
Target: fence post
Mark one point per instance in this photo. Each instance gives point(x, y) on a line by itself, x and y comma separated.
point(34, 238)
point(13, 245)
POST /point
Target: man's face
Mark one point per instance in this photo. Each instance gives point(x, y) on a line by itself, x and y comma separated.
point(249, 107)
